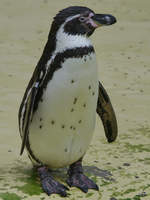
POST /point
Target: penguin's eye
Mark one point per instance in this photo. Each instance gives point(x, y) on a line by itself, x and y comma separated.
point(82, 19)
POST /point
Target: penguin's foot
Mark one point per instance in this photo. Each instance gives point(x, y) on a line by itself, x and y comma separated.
point(78, 179)
point(49, 184)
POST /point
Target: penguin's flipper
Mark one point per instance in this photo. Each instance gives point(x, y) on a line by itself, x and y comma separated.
point(107, 114)
point(28, 113)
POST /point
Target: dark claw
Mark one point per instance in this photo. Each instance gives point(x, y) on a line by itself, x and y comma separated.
point(82, 182)
point(50, 185)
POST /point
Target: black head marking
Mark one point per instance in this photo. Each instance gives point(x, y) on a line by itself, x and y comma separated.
point(76, 25)
point(70, 11)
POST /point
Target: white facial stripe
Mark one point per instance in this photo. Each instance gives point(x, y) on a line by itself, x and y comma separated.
point(70, 18)
point(66, 41)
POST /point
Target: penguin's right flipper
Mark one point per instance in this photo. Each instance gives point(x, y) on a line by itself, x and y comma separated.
point(107, 114)
point(28, 113)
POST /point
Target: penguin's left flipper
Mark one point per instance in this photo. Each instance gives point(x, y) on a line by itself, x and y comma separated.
point(107, 114)
point(28, 116)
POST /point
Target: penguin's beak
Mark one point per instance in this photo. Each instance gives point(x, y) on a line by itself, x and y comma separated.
point(103, 19)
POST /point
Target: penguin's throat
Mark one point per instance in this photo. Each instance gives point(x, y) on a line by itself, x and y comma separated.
point(66, 41)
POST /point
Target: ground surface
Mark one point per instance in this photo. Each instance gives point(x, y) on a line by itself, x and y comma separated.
point(121, 169)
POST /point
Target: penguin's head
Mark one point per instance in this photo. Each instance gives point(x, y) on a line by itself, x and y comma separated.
point(77, 20)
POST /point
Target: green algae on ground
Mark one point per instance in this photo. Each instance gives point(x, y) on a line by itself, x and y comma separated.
point(134, 198)
point(123, 193)
point(31, 187)
point(145, 187)
point(104, 183)
point(129, 191)
point(89, 194)
point(94, 178)
point(137, 147)
point(10, 196)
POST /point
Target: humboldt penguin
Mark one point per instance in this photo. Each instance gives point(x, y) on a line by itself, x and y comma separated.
point(58, 112)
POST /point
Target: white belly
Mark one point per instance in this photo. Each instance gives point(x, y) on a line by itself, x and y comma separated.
point(63, 125)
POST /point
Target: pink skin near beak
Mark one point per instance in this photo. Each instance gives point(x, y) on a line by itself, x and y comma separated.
point(90, 21)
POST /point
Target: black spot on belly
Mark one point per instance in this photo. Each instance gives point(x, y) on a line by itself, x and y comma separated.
point(72, 109)
point(65, 149)
point(72, 81)
point(93, 93)
point(84, 105)
point(75, 100)
point(89, 87)
point(52, 122)
point(40, 126)
point(40, 119)
point(80, 121)
point(63, 126)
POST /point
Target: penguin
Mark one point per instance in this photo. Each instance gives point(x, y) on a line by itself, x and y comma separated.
point(58, 111)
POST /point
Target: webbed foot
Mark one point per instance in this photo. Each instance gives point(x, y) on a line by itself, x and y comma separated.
point(78, 179)
point(49, 184)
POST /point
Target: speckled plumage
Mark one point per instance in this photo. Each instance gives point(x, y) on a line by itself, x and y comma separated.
point(56, 146)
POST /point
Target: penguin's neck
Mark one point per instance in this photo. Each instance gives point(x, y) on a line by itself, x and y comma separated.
point(60, 46)
point(65, 41)
point(59, 40)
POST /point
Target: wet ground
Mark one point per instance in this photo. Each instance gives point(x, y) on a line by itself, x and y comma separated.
point(121, 169)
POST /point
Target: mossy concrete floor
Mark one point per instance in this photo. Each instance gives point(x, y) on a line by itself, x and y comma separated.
point(121, 169)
